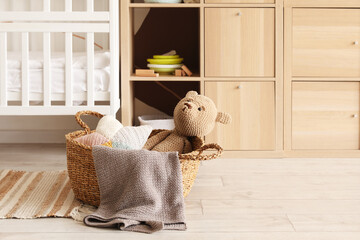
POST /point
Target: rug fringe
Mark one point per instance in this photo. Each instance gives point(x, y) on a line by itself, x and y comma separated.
point(80, 212)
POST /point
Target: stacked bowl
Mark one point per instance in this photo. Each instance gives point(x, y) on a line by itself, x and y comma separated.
point(165, 65)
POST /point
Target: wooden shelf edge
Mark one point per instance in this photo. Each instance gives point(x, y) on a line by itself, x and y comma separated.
point(164, 5)
point(195, 78)
point(322, 154)
point(240, 5)
point(199, 5)
point(326, 79)
point(236, 79)
point(326, 5)
point(293, 154)
point(252, 154)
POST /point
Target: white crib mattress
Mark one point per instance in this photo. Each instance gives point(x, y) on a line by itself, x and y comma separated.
point(101, 72)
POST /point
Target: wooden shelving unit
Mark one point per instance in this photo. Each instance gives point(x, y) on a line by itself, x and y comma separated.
point(128, 45)
point(288, 72)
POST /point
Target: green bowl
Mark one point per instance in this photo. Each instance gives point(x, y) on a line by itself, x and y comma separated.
point(165, 57)
point(165, 61)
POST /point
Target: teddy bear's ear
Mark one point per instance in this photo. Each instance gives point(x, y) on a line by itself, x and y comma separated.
point(223, 118)
point(192, 94)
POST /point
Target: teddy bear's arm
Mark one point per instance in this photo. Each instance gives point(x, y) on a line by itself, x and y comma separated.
point(156, 139)
point(187, 146)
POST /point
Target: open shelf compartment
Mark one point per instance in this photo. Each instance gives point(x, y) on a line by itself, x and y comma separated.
point(159, 30)
point(168, 95)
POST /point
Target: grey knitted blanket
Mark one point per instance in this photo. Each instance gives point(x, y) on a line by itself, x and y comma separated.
point(140, 190)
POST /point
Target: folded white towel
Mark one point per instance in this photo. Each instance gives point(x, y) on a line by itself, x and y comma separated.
point(108, 126)
point(131, 137)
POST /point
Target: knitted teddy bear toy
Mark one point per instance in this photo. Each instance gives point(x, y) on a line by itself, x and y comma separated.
point(194, 115)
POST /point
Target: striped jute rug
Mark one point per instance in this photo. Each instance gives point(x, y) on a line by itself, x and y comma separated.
point(35, 194)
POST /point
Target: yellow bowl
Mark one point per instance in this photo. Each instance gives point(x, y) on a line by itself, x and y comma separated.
point(165, 57)
point(165, 61)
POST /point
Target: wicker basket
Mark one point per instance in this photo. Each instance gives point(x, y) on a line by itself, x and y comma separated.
point(81, 167)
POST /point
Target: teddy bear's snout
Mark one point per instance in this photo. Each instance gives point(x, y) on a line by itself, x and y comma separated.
point(187, 106)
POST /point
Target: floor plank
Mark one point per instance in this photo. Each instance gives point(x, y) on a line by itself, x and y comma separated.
point(206, 181)
point(282, 167)
point(110, 235)
point(281, 206)
point(271, 193)
point(326, 223)
point(239, 223)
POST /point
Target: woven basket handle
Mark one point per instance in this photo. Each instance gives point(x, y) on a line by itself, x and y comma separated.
point(82, 123)
point(200, 156)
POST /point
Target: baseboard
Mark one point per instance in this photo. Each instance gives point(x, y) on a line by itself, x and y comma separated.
point(34, 136)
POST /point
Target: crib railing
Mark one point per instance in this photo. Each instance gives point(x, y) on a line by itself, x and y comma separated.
point(68, 22)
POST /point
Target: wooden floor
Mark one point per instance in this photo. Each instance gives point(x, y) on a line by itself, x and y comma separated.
point(262, 199)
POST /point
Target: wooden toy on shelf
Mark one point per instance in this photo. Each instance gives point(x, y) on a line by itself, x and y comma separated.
point(146, 73)
point(186, 70)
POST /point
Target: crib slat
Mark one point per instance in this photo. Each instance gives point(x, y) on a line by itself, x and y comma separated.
point(68, 5)
point(25, 69)
point(3, 69)
point(53, 110)
point(46, 5)
point(68, 69)
point(47, 70)
point(55, 27)
point(114, 59)
point(81, 96)
point(90, 5)
point(55, 16)
point(90, 69)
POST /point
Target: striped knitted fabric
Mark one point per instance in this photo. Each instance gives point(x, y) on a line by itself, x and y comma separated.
point(131, 137)
point(92, 139)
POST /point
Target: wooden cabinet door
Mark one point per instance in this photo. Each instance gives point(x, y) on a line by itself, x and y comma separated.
point(239, 42)
point(326, 42)
point(325, 115)
point(239, 1)
point(252, 107)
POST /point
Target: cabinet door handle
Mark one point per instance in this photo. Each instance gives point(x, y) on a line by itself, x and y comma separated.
point(239, 87)
point(356, 43)
point(355, 116)
point(238, 14)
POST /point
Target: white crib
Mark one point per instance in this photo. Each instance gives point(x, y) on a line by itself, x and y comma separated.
point(68, 22)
